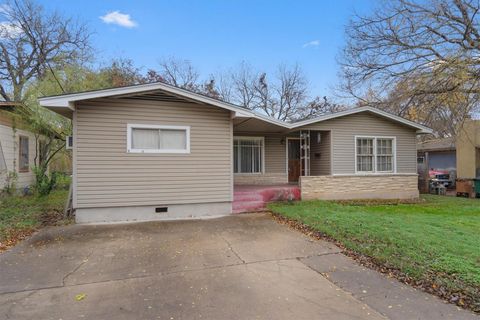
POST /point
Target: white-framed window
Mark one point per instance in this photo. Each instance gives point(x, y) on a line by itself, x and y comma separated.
point(146, 138)
point(375, 154)
point(248, 154)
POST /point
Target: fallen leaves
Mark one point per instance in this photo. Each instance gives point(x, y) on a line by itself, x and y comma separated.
point(464, 299)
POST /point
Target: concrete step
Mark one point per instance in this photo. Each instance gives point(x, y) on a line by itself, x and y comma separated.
point(246, 206)
point(252, 196)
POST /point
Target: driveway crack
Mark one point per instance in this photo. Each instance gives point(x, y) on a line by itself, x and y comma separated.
point(231, 249)
point(76, 268)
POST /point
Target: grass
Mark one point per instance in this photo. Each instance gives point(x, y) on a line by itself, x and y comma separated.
point(21, 215)
point(436, 241)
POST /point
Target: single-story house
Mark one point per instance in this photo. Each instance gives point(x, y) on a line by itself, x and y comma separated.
point(17, 148)
point(154, 151)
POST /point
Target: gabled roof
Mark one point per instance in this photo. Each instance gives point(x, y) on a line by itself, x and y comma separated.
point(420, 128)
point(444, 144)
point(65, 104)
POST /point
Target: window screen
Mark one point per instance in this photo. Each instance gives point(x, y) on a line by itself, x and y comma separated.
point(158, 139)
point(247, 155)
point(384, 155)
point(3, 164)
point(364, 155)
point(375, 154)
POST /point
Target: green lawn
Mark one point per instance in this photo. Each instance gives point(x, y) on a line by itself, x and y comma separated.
point(437, 239)
point(21, 215)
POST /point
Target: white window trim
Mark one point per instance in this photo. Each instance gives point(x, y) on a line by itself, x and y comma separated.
point(151, 126)
point(263, 154)
point(375, 171)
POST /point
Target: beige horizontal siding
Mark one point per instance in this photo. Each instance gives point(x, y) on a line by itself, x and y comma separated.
point(107, 176)
point(320, 166)
point(344, 129)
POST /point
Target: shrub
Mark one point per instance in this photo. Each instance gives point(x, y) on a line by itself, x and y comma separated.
point(10, 183)
point(44, 182)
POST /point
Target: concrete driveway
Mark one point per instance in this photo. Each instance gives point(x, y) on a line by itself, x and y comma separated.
point(237, 267)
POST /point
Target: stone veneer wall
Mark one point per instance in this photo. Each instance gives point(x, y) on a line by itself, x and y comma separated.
point(388, 186)
point(260, 179)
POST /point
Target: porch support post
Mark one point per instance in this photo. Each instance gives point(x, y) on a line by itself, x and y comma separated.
point(305, 152)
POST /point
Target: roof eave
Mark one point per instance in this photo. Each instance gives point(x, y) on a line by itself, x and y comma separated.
point(420, 128)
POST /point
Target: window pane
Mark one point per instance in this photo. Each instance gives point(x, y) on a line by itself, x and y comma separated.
point(247, 155)
point(385, 155)
point(384, 163)
point(364, 163)
point(145, 138)
point(23, 153)
point(3, 164)
point(173, 139)
point(364, 154)
point(364, 146)
point(384, 146)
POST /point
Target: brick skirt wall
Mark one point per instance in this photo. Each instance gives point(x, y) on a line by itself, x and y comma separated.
point(260, 179)
point(392, 186)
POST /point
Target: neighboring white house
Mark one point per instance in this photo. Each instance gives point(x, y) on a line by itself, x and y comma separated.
point(17, 149)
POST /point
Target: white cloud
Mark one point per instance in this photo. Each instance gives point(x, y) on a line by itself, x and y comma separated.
point(118, 18)
point(9, 30)
point(313, 43)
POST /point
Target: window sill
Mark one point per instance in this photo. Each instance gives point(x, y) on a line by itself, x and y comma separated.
point(159, 151)
point(248, 174)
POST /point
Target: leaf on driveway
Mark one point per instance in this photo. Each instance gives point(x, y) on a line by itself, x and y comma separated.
point(80, 297)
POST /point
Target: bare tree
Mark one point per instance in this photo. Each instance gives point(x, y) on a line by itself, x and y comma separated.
point(429, 48)
point(179, 73)
point(317, 107)
point(242, 86)
point(33, 42)
point(284, 96)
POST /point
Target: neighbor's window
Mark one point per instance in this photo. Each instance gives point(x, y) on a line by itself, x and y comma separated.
point(3, 164)
point(23, 155)
point(248, 155)
point(375, 154)
point(158, 139)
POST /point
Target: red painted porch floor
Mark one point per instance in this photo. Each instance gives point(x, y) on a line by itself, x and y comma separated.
point(254, 198)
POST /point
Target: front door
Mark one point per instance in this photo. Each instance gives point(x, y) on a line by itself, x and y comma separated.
point(293, 160)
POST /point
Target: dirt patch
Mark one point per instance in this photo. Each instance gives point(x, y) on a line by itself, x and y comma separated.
point(14, 237)
point(467, 299)
point(50, 218)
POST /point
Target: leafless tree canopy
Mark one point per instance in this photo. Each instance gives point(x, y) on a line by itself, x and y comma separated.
point(284, 96)
point(417, 58)
point(33, 41)
point(179, 73)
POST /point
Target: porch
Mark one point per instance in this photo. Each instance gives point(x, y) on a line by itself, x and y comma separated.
point(247, 198)
point(268, 165)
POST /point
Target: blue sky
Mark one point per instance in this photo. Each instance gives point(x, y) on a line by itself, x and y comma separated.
point(219, 34)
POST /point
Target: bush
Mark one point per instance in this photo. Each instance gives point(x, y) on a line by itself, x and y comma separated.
point(63, 181)
point(10, 183)
point(44, 182)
